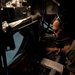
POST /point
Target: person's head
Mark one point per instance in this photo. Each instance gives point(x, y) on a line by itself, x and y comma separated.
point(57, 27)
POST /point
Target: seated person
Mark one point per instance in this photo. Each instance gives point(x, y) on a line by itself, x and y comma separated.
point(68, 48)
point(60, 34)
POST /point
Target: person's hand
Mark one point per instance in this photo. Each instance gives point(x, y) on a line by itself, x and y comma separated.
point(50, 50)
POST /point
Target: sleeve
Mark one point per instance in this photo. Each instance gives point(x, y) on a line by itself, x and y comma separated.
point(71, 58)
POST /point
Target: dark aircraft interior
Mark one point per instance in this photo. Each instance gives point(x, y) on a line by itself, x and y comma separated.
point(32, 19)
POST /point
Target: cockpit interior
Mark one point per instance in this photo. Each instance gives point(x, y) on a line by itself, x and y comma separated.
point(26, 30)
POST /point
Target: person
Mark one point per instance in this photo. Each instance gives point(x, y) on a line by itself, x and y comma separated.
point(60, 33)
